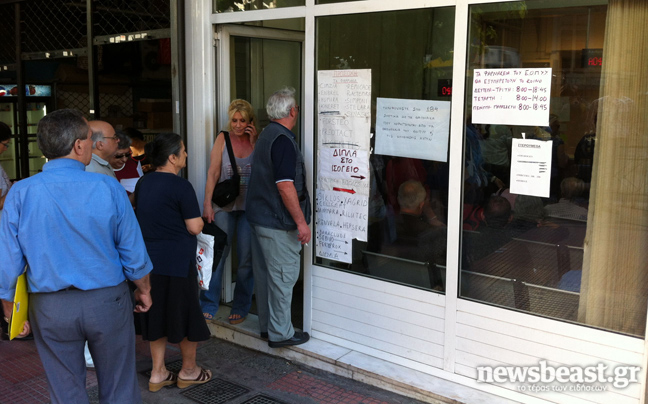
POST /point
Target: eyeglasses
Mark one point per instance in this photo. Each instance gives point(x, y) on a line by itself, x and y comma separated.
point(120, 156)
point(6, 144)
point(115, 138)
point(297, 108)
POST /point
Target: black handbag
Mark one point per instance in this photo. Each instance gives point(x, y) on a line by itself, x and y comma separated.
point(220, 241)
point(226, 192)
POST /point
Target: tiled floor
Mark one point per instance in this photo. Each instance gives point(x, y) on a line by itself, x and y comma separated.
point(321, 391)
point(261, 379)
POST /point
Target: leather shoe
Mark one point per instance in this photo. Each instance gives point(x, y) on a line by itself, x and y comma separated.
point(297, 339)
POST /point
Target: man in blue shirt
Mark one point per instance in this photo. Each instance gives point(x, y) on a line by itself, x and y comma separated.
point(78, 232)
point(278, 209)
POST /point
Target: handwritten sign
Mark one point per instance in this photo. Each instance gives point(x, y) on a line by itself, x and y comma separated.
point(413, 128)
point(343, 211)
point(343, 164)
point(511, 96)
point(342, 131)
point(333, 244)
point(344, 122)
point(531, 167)
point(344, 92)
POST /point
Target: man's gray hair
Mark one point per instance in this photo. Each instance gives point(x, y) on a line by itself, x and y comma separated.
point(59, 130)
point(97, 135)
point(280, 103)
point(123, 141)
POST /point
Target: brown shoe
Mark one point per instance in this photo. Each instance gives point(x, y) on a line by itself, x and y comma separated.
point(203, 377)
point(171, 379)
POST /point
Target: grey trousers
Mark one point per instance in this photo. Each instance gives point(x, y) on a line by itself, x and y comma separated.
point(274, 284)
point(63, 321)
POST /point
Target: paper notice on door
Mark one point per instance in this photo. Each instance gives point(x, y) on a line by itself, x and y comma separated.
point(413, 128)
point(511, 96)
point(531, 167)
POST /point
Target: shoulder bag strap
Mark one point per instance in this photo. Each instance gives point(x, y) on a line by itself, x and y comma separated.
point(230, 152)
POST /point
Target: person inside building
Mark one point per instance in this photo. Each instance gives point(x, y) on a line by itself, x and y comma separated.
point(169, 216)
point(69, 287)
point(127, 170)
point(104, 145)
point(571, 204)
point(494, 230)
point(232, 218)
point(138, 148)
point(584, 154)
point(278, 209)
point(417, 237)
point(496, 150)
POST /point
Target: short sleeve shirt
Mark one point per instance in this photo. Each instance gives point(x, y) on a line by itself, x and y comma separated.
point(164, 202)
point(284, 159)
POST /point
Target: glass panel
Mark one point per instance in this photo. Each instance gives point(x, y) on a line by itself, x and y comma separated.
point(258, 68)
point(35, 112)
point(8, 157)
point(225, 6)
point(332, 1)
point(261, 67)
point(410, 57)
point(565, 240)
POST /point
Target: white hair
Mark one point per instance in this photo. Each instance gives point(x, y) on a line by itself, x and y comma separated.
point(280, 103)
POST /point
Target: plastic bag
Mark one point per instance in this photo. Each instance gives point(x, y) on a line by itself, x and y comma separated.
point(204, 259)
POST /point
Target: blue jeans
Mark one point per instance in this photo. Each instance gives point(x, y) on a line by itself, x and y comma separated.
point(232, 222)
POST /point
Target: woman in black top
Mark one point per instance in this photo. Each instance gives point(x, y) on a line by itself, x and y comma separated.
point(169, 216)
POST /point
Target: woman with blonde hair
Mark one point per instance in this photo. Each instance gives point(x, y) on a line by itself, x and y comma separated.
point(231, 218)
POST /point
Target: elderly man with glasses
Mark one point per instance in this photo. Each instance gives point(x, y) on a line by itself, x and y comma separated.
point(104, 145)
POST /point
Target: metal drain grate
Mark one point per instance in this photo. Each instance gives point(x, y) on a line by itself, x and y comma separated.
point(174, 367)
point(216, 391)
point(261, 399)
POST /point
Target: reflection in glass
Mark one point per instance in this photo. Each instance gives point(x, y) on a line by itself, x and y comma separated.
point(261, 67)
point(575, 255)
point(225, 6)
point(410, 57)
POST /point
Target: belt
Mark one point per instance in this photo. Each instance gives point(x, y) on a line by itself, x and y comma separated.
point(68, 289)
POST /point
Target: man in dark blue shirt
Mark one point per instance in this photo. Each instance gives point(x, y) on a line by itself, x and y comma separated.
point(78, 232)
point(278, 209)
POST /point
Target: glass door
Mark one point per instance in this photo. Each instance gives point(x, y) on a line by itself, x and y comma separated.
point(35, 112)
point(8, 158)
point(253, 63)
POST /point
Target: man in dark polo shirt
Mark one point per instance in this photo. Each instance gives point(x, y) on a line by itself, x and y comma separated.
point(278, 209)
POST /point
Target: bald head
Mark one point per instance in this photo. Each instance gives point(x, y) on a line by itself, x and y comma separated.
point(104, 141)
point(411, 197)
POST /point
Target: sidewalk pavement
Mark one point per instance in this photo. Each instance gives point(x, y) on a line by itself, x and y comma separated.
point(240, 375)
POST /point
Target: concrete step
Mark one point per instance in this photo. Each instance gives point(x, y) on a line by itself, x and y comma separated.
point(355, 365)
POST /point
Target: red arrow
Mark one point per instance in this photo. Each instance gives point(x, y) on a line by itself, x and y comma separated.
point(362, 177)
point(344, 190)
